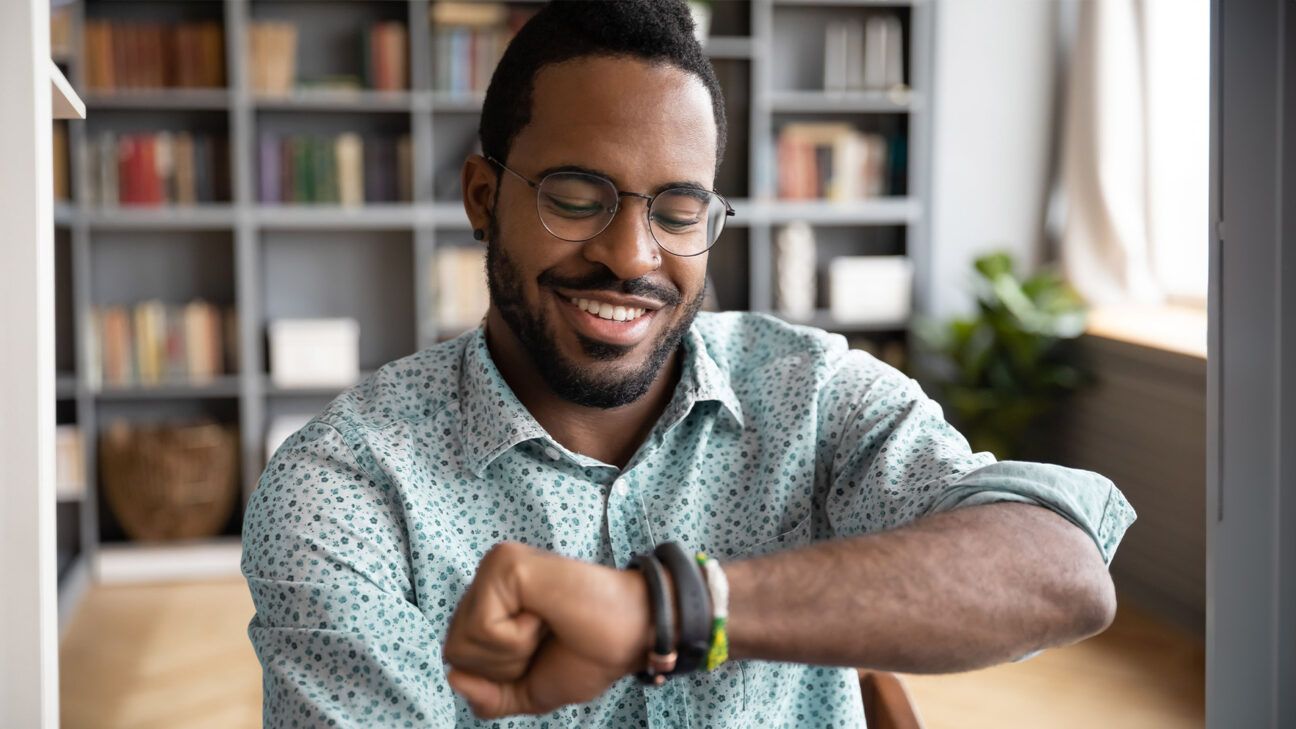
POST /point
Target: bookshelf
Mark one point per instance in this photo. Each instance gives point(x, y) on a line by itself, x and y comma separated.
point(374, 262)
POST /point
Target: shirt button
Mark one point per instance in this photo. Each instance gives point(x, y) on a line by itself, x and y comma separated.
point(552, 453)
point(620, 488)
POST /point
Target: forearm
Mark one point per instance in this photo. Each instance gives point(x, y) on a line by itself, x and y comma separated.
point(951, 592)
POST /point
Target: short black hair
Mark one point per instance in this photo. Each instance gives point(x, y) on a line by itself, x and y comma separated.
point(653, 30)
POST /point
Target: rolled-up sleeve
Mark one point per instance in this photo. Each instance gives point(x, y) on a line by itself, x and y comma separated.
point(340, 639)
point(894, 458)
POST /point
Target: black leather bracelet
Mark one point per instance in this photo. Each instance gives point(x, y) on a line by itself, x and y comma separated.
point(694, 604)
point(661, 660)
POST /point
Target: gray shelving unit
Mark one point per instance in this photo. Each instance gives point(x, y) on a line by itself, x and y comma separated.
point(273, 261)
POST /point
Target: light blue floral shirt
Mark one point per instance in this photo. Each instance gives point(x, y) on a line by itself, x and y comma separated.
point(369, 522)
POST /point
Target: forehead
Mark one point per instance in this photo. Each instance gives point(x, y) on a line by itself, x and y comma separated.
point(643, 123)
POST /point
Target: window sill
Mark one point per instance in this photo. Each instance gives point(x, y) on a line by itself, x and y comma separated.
point(1176, 329)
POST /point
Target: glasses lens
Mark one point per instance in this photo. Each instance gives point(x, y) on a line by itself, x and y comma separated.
point(687, 221)
point(575, 206)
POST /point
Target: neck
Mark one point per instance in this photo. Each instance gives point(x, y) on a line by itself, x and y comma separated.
point(612, 435)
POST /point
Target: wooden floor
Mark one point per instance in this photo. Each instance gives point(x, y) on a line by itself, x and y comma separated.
point(177, 657)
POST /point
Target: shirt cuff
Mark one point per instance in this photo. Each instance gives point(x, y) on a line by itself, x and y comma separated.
point(1086, 499)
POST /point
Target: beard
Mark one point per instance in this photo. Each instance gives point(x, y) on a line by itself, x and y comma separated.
point(581, 385)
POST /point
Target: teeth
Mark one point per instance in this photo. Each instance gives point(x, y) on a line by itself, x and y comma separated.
point(604, 310)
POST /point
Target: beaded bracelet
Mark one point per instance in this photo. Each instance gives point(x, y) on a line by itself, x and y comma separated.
point(718, 585)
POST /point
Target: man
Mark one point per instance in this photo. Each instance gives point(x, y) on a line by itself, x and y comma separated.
point(475, 503)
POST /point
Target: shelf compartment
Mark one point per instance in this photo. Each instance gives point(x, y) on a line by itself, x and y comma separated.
point(365, 275)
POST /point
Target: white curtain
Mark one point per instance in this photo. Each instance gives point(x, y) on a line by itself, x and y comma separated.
point(1133, 182)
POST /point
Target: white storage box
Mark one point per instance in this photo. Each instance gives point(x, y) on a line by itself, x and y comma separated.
point(872, 290)
point(314, 352)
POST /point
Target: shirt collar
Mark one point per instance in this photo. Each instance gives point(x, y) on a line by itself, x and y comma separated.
point(493, 420)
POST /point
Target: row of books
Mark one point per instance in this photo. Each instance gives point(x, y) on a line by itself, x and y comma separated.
point(459, 280)
point(152, 343)
point(833, 161)
point(468, 41)
point(159, 168)
point(346, 169)
point(864, 55)
point(151, 55)
point(384, 59)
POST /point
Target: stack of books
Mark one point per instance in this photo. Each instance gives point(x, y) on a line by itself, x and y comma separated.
point(831, 161)
point(134, 55)
point(153, 343)
point(468, 40)
point(343, 170)
point(864, 55)
point(157, 168)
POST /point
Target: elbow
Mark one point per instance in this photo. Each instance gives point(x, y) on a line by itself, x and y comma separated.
point(1095, 606)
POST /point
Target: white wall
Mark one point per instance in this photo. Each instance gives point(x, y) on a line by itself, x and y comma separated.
point(992, 123)
point(28, 608)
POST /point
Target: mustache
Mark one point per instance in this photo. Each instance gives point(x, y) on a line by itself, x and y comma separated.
point(604, 280)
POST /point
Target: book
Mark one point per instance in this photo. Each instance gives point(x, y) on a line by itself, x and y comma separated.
point(883, 54)
point(270, 176)
point(385, 49)
point(69, 463)
point(62, 188)
point(272, 47)
point(349, 150)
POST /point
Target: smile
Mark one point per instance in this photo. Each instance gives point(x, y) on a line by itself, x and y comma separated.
point(604, 310)
point(604, 321)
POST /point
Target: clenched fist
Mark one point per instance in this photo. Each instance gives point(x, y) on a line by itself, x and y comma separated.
point(536, 631)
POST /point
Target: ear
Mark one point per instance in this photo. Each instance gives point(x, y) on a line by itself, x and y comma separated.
point(478, 181)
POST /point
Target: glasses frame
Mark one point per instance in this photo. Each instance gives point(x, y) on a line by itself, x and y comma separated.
point(535, 185)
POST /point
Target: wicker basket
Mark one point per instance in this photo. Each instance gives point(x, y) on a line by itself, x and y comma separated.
point(167, 482)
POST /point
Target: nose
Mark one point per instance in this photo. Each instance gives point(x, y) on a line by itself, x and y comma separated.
point(626, 246)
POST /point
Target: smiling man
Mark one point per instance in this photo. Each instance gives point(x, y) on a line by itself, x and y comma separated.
point(448, 542)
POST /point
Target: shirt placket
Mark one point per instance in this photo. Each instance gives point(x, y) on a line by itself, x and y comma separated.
point(630, 532)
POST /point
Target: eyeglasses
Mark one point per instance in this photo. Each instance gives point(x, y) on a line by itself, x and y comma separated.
point(576, 206)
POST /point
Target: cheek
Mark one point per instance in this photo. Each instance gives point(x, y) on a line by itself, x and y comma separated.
point(689, 274)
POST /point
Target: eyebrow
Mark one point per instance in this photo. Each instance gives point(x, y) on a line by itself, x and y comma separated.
point(610, 178)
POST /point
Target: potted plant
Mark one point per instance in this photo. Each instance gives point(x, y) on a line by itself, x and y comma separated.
point(1012, 362)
